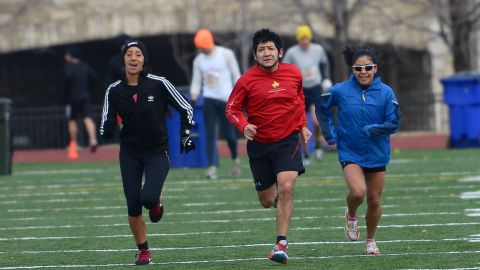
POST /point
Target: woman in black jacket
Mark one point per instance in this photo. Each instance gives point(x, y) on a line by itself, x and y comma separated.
point(142, 100)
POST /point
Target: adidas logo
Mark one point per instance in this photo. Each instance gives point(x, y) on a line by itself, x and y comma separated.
point(151, 98)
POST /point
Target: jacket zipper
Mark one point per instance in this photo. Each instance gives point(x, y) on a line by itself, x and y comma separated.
point(363, 96)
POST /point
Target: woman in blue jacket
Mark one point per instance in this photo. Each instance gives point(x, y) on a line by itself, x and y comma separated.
point(368, 113)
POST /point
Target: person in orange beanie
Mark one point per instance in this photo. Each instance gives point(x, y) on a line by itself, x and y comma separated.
point(215, 71)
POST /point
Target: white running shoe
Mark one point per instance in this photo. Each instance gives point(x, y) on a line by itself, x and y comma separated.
point(306, 162)
point(235, 167)
point(371, 247)
point(211, 173)
point(351, 227)
point(318, 154)
point(279, 252)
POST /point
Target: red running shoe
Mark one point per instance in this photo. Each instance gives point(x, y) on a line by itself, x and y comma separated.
point(144, 256)
point(279, 252)
point(156, 213)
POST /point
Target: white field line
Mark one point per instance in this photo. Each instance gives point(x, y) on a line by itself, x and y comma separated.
point(61, 186)
point(221, 261)
point(475, 178)
point(430, 188)
point(394, 226)
point(69, 226)
point(27, 238)
point(229, 180)
point(87, 171)
point(167, 214)
point(202, 204)
point(470, 195)
point(214, 221)
point(167, 189)
point(316, 243)
point(25, 194)
point(69, 194)
point(187, 213)
point(49, 194)
point(225, 211)
point(58, 172)
point(472, 212)
point(56, 201)
point(401, 226)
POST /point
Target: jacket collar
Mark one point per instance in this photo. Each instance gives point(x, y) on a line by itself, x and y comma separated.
point(376, 83)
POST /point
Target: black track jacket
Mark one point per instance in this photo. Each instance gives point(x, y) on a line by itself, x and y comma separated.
point(143, 109)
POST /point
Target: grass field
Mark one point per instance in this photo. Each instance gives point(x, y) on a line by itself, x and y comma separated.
point(74, 216)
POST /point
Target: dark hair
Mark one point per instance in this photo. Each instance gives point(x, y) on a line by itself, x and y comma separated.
point(74, 51)
point(265, 35)
point(352, 53)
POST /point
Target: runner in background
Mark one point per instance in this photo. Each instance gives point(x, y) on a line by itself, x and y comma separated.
point(312, 60)
point(79, 80)
point(215, 71)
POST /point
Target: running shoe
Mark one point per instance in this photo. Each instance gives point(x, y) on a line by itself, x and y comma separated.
point(211, 173)
point(156, 213)
point(306, 161)
point(279, 252)
point(235, 167)
point(371, 247)
point(93, 148)
point(351, 227)
point(318, 154)
point(144, 256)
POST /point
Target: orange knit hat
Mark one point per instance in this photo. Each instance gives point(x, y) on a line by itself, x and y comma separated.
point(203, 39)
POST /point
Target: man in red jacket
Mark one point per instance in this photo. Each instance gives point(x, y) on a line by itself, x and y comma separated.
point(271, 95)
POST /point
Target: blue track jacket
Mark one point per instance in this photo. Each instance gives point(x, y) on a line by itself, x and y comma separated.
point(366, 118)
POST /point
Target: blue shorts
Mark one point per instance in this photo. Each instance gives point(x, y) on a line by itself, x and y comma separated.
point(365, 169)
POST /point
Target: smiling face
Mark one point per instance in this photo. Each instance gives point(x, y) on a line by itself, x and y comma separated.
point(267, 56)
point(134, 61)
point(360, 70)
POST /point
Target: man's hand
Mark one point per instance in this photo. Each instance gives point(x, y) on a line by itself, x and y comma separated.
point(249, 131)
point(306, 134)
point(186, 143)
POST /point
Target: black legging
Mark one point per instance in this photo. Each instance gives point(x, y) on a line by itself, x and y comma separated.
point(214, 112)
point(132, 167)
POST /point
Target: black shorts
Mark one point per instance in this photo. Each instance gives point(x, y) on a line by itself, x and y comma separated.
point(312, 94)
point(79, 108)
point(365, 169)
point(267, 160)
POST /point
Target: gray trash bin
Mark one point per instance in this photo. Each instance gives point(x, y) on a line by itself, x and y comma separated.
point(5, 137)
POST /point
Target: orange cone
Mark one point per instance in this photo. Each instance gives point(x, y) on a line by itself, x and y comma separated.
point(72, 150)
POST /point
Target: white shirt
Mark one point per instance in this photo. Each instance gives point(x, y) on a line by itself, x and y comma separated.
point(215, 73)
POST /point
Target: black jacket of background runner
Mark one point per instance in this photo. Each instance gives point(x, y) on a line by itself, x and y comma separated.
point(143, 109)
point(79, 79)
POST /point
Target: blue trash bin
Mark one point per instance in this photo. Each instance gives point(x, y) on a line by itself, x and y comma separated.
point(194, 159)
point(462, 95)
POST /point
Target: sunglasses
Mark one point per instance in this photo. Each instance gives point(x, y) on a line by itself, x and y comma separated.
point(366, 67)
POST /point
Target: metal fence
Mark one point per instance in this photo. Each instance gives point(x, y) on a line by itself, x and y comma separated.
point(418, 111)
point(39, 128)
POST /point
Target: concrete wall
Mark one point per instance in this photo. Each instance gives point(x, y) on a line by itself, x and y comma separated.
point(26, 24)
